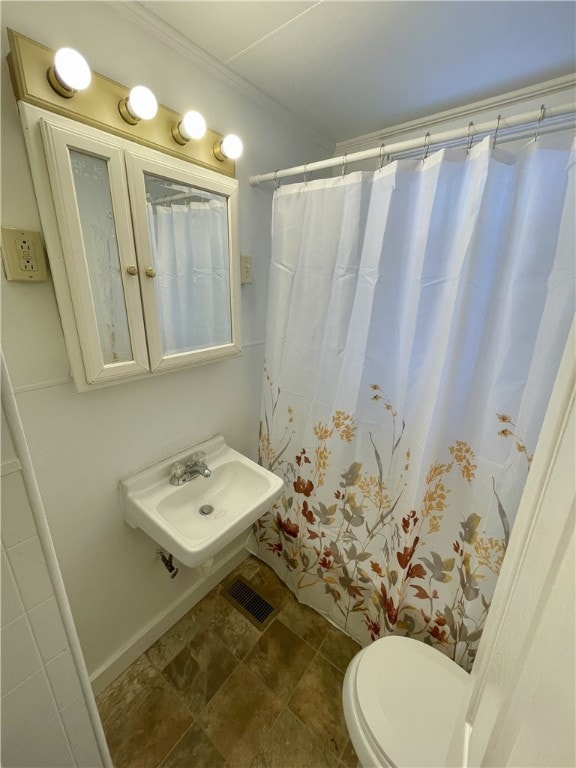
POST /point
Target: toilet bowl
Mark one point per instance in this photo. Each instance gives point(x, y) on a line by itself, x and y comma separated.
point(402, 702)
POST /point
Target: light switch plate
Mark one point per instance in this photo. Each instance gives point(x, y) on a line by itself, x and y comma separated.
point(23, 255)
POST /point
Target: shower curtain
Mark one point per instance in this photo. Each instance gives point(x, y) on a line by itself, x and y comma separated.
point(417, 316)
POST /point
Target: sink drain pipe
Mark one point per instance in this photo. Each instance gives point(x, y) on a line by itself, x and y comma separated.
point(168, 564)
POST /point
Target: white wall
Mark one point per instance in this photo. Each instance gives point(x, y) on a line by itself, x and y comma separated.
point(82, 444)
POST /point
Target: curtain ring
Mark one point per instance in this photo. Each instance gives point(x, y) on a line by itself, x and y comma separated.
point(496, 132)
point(427, 145)
point(542, 111)
point(470, 138)
point(344, 164)
point(276, 182)
point(305, 173)
point(382, 155)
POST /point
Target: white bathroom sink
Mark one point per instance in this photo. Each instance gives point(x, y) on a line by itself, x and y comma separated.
point(238, 490)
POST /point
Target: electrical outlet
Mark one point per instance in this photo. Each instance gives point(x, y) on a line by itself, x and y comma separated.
point(245, 269)
point(23, 255)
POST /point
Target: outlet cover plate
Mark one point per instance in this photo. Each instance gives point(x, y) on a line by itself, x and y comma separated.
point(23, 255)
point(245, 269)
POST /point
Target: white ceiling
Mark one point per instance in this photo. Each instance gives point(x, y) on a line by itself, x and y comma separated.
point(351, 67)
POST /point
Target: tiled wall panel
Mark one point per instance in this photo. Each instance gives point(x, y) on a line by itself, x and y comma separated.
point(45, 720)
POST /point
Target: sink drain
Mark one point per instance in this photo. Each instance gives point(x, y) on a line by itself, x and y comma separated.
point(206, 509)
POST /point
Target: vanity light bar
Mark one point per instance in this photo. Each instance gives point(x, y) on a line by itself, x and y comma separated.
point(75, 92)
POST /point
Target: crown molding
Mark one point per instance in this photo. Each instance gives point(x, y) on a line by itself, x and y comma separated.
point(178, 42)
point(395, 132)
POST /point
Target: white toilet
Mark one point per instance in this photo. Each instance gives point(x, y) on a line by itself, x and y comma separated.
point(403, 701)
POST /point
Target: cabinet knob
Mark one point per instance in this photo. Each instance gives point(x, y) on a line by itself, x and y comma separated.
point(151, 272)
point(132, 269)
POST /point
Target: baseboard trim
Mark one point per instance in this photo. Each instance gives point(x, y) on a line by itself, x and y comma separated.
point(121, 660)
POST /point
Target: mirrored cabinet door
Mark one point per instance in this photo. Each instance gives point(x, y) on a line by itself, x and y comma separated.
point(90, 196)
point(188, 231)
point(98, 229)
point(188, 260)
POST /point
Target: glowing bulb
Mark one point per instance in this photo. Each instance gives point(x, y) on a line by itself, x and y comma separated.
point(70, 72)
point(193, 126)
point(141, 104)
point(229, 148)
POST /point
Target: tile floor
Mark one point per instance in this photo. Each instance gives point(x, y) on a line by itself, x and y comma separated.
point(216, 692)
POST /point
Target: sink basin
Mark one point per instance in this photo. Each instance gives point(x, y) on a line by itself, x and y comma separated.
point(235, 495)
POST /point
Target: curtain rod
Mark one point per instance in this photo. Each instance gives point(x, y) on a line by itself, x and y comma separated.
point(539, 119)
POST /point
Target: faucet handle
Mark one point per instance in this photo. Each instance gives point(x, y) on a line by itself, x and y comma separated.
point(177, 470)
point(198, 458)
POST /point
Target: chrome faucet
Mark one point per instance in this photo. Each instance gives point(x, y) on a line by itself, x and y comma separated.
point(180, 474)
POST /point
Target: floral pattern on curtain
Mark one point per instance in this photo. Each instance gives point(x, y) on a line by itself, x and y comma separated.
point(340, 533)
point(417, 317)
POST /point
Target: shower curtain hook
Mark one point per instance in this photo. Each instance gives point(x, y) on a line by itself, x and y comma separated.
point(382, 154)
point(276, 182)
point(427, 145)
point(496, 132)
point(305, 173)
point(344, 164)
point(470, 138)
point(542, 111)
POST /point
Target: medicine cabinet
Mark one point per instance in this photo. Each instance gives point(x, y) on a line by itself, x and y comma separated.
point(143, 251)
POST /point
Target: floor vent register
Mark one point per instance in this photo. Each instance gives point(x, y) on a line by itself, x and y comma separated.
point(252, 605)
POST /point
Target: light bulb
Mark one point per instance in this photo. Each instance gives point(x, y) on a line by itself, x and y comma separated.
point(229, 148)
point(141, 104)
point(70, 72)
point(192, 126)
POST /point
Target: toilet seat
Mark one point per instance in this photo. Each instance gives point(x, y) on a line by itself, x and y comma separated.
point(368, 750)
point(402, 701)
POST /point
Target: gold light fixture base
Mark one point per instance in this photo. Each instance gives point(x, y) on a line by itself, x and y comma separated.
point(59, 87)
point(177, 136)
point(217, 150)
point(126, 114)
point(100, 106)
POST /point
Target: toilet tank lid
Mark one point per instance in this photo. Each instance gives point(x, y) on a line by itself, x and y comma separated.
point(411, 697)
